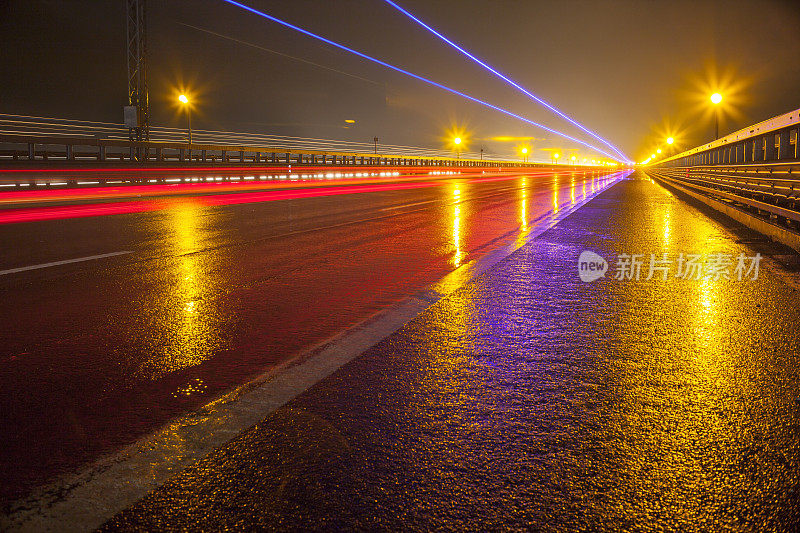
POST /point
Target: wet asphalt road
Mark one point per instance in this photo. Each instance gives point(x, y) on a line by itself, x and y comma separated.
point(208, 292)
point(528, 400)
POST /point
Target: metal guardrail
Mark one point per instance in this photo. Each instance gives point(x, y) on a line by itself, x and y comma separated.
point(756, 168)
point(48, 131)
point(36, 150)
point(770, 141)
point(772, 189)
point(33, 149)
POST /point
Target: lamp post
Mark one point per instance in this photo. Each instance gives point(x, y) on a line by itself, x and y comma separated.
point(716, 98)
point(185, 102)
point(375, 140)
point(555, 158)
point(525, 155)
point(457, 142)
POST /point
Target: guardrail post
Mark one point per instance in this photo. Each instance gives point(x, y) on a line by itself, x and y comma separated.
point(784, 146)
point(769, 147)
point(748, 147)
point(241, 156)
point(758, 149)
point(102, 155)
point(31, 151)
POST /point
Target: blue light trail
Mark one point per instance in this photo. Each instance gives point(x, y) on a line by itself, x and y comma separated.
point(420, 78)
point(509, 81)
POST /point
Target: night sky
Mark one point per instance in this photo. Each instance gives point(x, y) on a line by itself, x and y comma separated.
point(634, 71)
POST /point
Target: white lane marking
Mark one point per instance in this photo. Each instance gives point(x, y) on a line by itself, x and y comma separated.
point(84, 500)
point(64, 262)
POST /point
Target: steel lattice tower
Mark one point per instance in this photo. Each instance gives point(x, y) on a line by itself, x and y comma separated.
point(137, 67)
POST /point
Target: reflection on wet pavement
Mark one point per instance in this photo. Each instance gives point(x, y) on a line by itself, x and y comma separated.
point(529, 400)
point(188, 333)
point(216, 294)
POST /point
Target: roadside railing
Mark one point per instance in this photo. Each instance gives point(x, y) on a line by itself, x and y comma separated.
point(29, 139)
point(49, 127)
point(769, 189)
point(756, 168)
point(770, 141)
point(23, 148)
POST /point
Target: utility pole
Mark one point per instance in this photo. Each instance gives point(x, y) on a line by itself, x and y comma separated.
point(137, 113)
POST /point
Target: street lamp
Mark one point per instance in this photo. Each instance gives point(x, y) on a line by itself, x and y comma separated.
point(457, 142)
point(658, 150)
point(185, 102)
point(670, 140)
point(573, 158)
point(716, 98)
point(556, 156)
point(524, 154)
point(375, 140)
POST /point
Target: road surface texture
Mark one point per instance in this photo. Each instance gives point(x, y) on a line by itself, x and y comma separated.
point(114, 325)
point(529, 400)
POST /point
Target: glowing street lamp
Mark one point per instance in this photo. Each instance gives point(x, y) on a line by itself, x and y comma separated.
point(556, 156)
point(524, 154)
point(457, 142)
point(670, 140)
point(573, 159)
point(716, 98)
point(658, 150)
point(185, 101)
